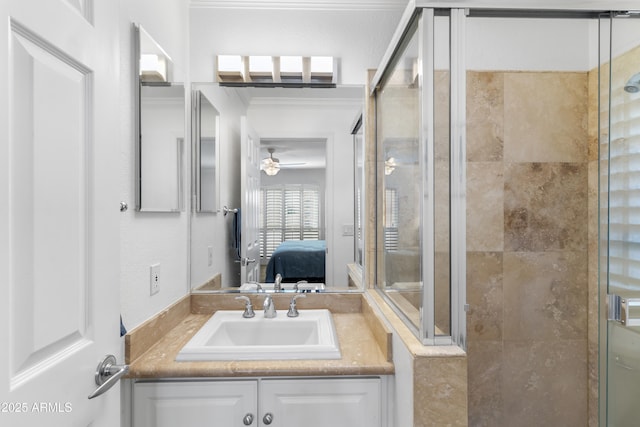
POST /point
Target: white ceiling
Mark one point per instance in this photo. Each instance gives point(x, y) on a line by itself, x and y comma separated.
point(302, 4)
point(395, 4)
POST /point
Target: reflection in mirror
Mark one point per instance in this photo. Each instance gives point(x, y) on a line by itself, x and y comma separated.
point(359, 196)
point(206, 141)
point(399, 225)
point(161, 141)
point(154, 63)
point(160, 128)
point(308, 132)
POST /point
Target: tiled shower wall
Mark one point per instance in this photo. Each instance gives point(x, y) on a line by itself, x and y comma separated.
point(527, 248)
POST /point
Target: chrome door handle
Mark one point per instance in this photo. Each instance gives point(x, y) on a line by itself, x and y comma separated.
point(624, 310)
point(248, 419)
point(108, 374)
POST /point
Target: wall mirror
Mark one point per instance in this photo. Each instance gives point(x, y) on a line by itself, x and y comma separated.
point(206, 170)
point(308, 133)
point(160, 128)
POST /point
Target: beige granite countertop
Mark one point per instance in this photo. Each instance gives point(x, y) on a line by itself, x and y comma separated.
point(359, 346)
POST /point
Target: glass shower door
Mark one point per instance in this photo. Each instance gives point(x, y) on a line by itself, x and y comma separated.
point(620, 218)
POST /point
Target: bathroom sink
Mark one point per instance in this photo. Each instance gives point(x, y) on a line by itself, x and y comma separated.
point(229, 336)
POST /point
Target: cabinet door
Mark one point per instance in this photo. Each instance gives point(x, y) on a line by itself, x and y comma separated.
point(194, 404)
point(321, 402)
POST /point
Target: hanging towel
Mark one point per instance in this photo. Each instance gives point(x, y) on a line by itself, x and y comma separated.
point(237, 229)
point(123, 330)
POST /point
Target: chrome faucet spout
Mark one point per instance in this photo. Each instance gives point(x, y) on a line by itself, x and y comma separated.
point(277, 285)
point(269, 307)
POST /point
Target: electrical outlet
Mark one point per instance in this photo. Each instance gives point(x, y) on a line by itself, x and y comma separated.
point(210, 255)
point(154, 278)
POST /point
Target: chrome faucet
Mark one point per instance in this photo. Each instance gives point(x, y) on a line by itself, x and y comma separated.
point(269, 307)
point(248, 309)
point(256, 284)
point(277, 285)
point(293, 310)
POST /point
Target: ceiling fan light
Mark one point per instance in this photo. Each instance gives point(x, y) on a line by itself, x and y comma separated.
point(271, 169)
point(389, 166)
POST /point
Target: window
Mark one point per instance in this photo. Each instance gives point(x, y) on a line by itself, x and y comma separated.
point(288, 212)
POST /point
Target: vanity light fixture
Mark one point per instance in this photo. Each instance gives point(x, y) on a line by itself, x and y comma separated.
point(261, 68)
point(230, 68)
point(321, 69)
point(291, 68)
point(276, 71)
point(153, 68)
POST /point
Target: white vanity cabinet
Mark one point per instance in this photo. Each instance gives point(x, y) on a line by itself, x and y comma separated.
point(262, 402)
point(194, 403)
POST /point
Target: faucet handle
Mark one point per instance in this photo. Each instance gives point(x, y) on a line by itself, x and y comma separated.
point(296, 287)
point(293, 310)
point(248, 308)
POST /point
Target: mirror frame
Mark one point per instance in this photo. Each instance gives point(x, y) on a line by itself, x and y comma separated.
point(197, 96)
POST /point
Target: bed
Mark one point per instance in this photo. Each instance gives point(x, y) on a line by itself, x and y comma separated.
point(298, 260)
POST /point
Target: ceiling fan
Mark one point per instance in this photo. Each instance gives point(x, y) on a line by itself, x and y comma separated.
point(271, 165)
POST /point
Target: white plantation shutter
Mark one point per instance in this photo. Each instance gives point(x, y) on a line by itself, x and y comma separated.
point(271, 219)
point(311, 214)
point(391, 215)
point(289, 212)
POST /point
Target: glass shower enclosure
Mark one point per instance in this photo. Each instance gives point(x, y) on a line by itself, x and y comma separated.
point(420, 173)
point(619, 189)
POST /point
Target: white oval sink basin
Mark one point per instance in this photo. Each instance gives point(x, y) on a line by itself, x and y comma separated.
point(229, 336)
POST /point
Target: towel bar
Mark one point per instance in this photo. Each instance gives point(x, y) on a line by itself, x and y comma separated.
point(226, 210)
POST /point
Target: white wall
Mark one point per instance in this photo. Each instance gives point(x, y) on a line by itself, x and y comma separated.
point(528, 44)
point(149, 238)
point(357, 38)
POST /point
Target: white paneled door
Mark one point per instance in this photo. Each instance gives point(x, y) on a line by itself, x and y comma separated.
point(250, 211)
point(59, 207)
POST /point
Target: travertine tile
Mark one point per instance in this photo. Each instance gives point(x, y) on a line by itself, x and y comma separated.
point(592, 109)
point(359, 349)
point(440, 391)
point(527, 281)
point(545, 206)
point(484, 296)
point(545, 295)
point(485, 116)
point(545, 117)
point(485, 383)
point(485, 211)
point(145, 336)
point(544, 383)
point(442, 288)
